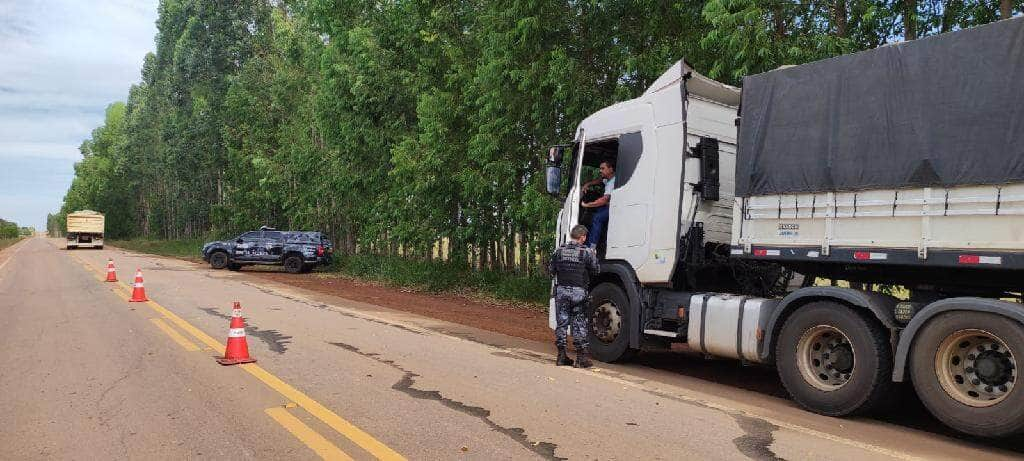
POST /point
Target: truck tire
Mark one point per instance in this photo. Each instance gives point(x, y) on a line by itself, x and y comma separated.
point(834, 360)
point(234, 267)
point(219, 260)
point(293, 264)
point(609, 318)
point(964, 367)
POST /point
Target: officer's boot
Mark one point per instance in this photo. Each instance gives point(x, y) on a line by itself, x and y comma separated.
point(563, 359)
point(583, 359)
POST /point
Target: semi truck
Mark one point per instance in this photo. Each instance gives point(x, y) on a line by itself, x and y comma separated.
point(898, 172)
point(85, 230)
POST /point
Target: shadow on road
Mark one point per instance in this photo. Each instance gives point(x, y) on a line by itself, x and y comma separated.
point(910, 412)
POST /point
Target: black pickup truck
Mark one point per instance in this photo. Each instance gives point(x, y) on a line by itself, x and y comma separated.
point(297, 251)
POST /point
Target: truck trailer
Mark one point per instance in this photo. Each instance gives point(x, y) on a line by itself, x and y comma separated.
point(85, 230)
point(898, 170)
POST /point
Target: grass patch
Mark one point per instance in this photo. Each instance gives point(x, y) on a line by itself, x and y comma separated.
point(4, 243)
point(183, 249)
point(438, 276)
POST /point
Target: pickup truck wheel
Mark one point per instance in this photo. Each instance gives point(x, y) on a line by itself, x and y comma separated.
point(219, 260)
point(834, 360)
point(234, 267)
point(964, 369)
point(609, 322)
point(293, 264)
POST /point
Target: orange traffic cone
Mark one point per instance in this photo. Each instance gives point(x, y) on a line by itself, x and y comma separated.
point(237, 350)
point(111, 273)
point(138, 293)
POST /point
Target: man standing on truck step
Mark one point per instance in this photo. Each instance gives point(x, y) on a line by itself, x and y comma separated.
point(572, 265)
point(599, 225)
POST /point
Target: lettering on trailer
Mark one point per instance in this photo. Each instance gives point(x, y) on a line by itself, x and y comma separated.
point(789, 230)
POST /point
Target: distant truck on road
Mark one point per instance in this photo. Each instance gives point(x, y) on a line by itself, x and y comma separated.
point(85, 229)
point(896, 167)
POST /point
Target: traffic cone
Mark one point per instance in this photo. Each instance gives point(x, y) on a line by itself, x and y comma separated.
point(138, 293)
point(111, 273)
point(237, 350)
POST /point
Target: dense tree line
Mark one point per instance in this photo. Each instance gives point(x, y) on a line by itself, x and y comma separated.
point(394, 125)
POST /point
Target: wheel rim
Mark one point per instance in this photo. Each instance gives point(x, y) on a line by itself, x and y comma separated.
point(293, 264)
point(606, 322)
point(975, 367)
point(219, 259)
point(825, 358)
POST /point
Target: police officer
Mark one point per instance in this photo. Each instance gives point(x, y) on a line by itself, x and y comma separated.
point(572, 265)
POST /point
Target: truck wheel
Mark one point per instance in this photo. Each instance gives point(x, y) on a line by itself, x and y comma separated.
point(834, 361)
point(219, 260)
point(610, 321)
point(293, 264)
point(234, 267)
point(964, 367)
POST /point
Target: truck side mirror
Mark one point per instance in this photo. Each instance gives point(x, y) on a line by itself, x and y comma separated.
point(554, 180)
point(553, 172)
point(707, 151)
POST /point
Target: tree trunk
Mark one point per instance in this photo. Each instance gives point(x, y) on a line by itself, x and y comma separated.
point(779, 19)
point(949, 10)
point(910, 20)
point(1005, 9)
point(839, 17)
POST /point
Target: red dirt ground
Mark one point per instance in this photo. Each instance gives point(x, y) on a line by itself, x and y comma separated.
point(513, 320)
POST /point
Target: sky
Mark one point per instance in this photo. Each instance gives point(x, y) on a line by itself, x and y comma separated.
point(62, 62)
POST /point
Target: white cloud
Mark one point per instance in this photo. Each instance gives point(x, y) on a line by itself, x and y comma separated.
point(61, 63)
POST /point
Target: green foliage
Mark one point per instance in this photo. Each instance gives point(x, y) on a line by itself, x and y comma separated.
point(438, 276)
point(8, 230)
point(393, 126)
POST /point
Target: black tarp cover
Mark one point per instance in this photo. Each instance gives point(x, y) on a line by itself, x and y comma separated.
point(939, 111)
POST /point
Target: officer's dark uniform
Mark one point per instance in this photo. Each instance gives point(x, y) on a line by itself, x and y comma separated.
point(572, 265)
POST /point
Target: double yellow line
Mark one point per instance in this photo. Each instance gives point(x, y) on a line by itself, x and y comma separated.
point(323, 447)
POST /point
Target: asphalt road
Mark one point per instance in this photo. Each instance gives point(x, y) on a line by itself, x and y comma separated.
point(84, 374)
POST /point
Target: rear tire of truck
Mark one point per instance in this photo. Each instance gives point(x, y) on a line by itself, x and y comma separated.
point(219, 260)
point(964, 367)
point(234, 267)
point(293, 264)
point(609, 318)
point(834, 360)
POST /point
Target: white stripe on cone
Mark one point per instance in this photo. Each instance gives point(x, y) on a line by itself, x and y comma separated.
point(236, 333)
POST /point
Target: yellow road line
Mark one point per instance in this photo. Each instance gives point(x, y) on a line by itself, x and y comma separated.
point(177, 337)
point(328, 417)
point(321, 412)
point(307, 435)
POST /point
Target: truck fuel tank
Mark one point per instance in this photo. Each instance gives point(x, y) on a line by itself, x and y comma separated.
point(726, 325)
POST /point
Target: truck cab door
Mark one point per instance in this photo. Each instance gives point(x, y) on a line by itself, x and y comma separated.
point(569, 216)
